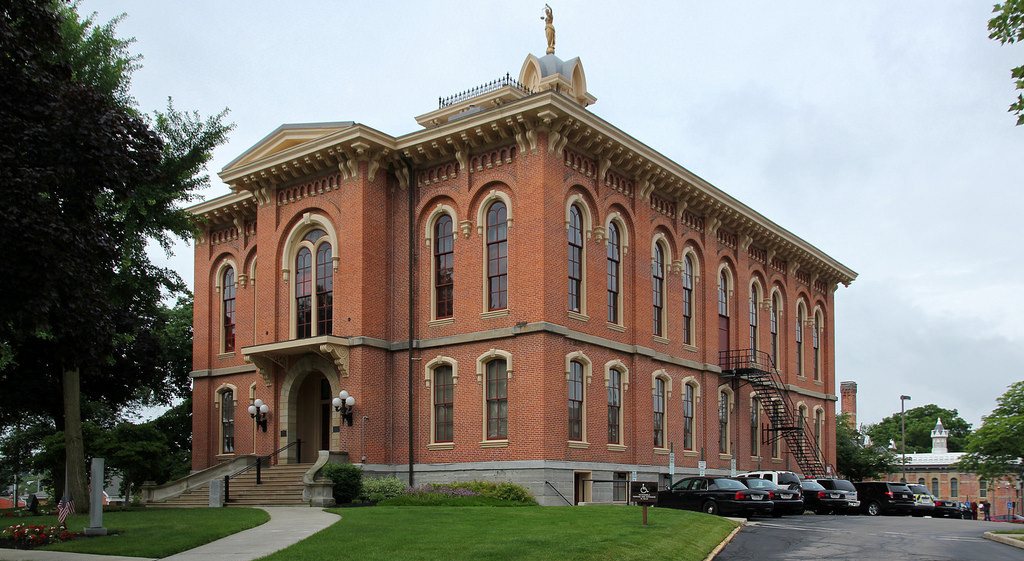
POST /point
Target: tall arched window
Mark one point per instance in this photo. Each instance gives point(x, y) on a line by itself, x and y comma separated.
point(614, 406)
point(497, 257)
point(723, 422)
point(688, 397)
point(755, 427)
point(775, 329)
point(935, 486)
point(614, 272)
point(444, 400)
point(659, 413)
point(815, 342)
point(954, 487)
point(444, 268)
point(306, 278)
point(754, 300)
point(575, 259)
point(575, 392)
point(819, 425)
point(800, 317)
point(497, 400)
point(228, 308)
point(227, 422)
point(688, 300)
point(723, 311)
point(658, 289)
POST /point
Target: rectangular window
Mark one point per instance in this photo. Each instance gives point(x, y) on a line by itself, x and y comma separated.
point(688, 301)
point(814, 345)
point(229, 311)
point(774, 320)
point(659, 413)
point(620, 486)
point(753, 320)
point(444, 426)
point(575, 401)
point(324, 290)
point(983, 488)
point(658, 289)
point(444, 267)
point(799, 346)
point(954, 487)
point(303, 294)
point(497, 257)
point(497, 400)
point(614, 405)
point(613, 273)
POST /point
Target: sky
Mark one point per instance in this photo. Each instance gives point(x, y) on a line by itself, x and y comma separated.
point(876, 131)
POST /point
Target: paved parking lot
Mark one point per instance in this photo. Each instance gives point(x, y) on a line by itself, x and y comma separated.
point(861, 538)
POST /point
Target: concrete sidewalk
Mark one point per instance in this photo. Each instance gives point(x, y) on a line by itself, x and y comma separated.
point(287, 525)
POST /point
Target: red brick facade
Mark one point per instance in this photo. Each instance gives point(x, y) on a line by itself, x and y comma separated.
point(538, 154)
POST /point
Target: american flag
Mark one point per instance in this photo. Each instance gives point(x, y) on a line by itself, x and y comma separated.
point(65, 507)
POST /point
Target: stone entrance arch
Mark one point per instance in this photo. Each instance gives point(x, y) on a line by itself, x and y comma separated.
point(303, 413)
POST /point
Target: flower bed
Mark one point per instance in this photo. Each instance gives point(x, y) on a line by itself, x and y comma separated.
point(24, 536)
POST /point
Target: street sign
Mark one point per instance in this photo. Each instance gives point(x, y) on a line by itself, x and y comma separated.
point(644, 492)
point(702, 465)
point(672, 464)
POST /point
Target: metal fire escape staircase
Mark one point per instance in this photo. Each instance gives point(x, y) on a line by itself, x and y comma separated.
point(757, 368)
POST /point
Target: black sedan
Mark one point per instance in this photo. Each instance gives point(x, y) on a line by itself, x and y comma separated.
point(716, 495)
point(786, 500)
point(945, 508)
point(822, 500)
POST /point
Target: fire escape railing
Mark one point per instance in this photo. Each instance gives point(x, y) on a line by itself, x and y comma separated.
point(758, 369)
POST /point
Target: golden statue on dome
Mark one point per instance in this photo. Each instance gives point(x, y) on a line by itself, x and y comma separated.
point(549, 28)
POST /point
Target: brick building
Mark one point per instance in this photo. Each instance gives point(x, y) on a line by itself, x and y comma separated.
point(519, 291)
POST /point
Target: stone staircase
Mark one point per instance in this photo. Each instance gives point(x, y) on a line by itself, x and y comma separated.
point(281, 485)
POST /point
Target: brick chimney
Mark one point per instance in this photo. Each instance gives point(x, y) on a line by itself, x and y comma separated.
point(848, 400)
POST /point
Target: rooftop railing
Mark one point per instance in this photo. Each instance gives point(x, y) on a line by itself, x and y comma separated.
point(502, 82)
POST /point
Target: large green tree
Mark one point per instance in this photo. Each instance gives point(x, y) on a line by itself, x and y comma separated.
point(88, 183)
point(997, 448)
point(855, 460)
point(1008, 27)
point(920, 421)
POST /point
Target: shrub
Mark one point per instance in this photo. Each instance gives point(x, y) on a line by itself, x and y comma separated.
point(347, 478)
point(25, 536)
point(502, 491)
point(376, 490)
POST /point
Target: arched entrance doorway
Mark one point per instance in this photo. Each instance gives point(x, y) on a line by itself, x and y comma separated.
point(306, 393)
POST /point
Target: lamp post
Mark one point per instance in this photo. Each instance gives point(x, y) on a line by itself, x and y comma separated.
point(258, 411)
point(903, 433)
point(344, 404)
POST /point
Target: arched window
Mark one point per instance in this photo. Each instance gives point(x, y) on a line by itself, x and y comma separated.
point(754, 301)
point(444, 268)
point(755, 427)
point(723, 422)
point(614, 406)
point(920, 481)
point(983, 488)
point(228, 308)
point(575, 392)
point(497, 256)
point(815, 341)
point(306, 278)
point(659, 412)
point(575, 260)
point(444, 400)
point(954, 487)
point(497, 400)
point(723, 311)
point(819, 425)
point(801, 315)
point(688, 397)
point(935, 486)
point(614, 272)
point(658, 289)
point(775, 329)
point(227, 422)
point(688, 300)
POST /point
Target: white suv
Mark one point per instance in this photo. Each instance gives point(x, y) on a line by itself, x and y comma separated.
point(784, 479)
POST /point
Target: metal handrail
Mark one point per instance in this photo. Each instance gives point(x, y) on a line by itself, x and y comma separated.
point(257, 465)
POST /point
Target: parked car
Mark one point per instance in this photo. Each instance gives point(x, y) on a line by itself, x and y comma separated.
point(884, 497)
point(780, 478)
point(965, 511)
point(1009, 518)
point(716, 495)
point(786, 500)
point(821, 500)
point(945, 508)
point(846, 488)
point(924, 503)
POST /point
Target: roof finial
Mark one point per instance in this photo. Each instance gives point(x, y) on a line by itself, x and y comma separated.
point(549, 29)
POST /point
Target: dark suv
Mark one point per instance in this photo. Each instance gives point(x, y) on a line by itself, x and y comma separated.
point(844, 488)
point(884, 497)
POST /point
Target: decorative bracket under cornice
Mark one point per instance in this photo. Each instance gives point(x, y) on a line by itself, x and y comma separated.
point(264, 365)
point(339, 355)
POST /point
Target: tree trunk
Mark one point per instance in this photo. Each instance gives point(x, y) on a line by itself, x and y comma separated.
point(74, 447)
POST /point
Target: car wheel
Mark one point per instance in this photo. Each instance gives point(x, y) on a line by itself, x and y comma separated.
point(710, 507)
point(874, 509)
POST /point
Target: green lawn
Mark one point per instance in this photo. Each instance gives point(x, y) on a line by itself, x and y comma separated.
point(614, 533)
point(152, 532)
